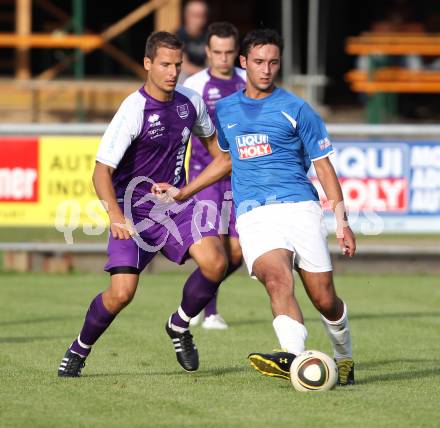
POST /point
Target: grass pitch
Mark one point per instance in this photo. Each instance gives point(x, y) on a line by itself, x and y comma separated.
point(132, 378)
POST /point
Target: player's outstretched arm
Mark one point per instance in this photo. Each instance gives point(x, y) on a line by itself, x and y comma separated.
point(216, 170)
point(329, 181)
point(219, 167)
point(120, 227)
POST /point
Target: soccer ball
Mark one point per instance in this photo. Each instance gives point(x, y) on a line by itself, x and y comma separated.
point(313, 371)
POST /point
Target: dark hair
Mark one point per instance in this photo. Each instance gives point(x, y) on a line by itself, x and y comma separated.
point(161, 39)
point(262, 36)
point(222, 29)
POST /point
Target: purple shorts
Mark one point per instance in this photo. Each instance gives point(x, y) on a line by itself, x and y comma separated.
point(171, 232)
point(219, 197)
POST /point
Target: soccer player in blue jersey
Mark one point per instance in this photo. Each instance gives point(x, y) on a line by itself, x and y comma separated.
point(272, 137)
point(212, 84)
point(146, 142)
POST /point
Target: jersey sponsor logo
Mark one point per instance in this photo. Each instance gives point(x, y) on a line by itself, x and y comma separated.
point(180, 158)
point(231, 125)
point(19, 170)
point(183, 111)
point(153, 118)
point(324, 143)
point(253, 145)
point(214, 93)
point(156, 128)
point(156, 132)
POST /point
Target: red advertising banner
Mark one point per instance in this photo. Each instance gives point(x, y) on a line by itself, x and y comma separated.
point(19, 169)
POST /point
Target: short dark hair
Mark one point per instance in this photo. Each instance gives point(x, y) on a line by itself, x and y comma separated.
point(262, 36)
point(222, 29)
point(161, 39)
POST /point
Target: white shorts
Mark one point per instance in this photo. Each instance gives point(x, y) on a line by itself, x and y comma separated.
point(296, 226)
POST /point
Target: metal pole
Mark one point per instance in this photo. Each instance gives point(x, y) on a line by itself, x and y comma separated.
point(286, 13)
point(79, 67)
point(296, 54)
point(322, 48)
point(312, 50)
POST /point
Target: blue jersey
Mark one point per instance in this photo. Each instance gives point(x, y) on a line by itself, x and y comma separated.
point(272, 142)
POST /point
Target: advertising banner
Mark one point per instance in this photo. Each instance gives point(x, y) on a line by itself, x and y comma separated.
point(42, 178)
point(390, 185)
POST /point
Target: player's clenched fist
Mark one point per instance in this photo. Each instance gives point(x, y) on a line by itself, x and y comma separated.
point(121, 227)
point(166, 192)
point(347, 241)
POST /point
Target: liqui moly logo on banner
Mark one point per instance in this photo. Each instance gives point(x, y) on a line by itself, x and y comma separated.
point(253, 145)
point(373, 176)
point(19, 170)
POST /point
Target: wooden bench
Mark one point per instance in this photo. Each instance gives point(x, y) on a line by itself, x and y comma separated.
point(394, 80)
point(382, 82)
point(393, 44)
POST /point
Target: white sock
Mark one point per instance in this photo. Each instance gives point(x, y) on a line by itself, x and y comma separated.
point(291, 334)
point(339, 334)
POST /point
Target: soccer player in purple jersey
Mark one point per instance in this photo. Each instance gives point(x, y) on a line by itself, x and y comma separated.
point(214, 83)
point(146, 143)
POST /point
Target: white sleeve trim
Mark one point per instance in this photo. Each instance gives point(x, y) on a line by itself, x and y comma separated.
point(125, 126)
point(323, 156)
point(210, 135)
point(223, 150)
point(106, 162)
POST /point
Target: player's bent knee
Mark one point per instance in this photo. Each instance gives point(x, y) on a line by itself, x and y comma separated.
point(278, 286)
point(124, 297)
point(214, 268)
point(325, 303)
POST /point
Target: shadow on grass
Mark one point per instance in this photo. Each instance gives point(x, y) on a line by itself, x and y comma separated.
point(381, 363)
point(352, 317)
point(221, 371)
point(198, 374)
point(248, 322)
point(402, 375)
point(37, 320)
point(402, 315)
point(30, 339)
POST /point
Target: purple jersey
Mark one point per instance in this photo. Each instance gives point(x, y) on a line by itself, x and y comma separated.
point(211, 89)
point(148, 138)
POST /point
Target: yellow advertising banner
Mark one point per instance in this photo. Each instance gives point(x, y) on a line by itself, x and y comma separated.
point(62, 191)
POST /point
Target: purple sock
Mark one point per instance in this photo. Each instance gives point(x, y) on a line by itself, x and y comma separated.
point(197, 292)
point(98, 318)
point(211, 307)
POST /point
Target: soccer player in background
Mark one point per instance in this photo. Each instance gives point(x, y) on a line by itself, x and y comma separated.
point(146, 142)
point(214, 83)
point(272, 137)
point(193, 35)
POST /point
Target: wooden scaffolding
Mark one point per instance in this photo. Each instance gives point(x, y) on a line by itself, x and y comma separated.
point(31, 94)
